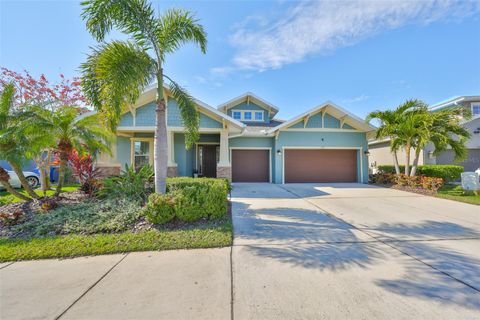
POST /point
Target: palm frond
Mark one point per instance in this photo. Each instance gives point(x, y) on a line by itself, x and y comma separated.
point(114, 76)
point(177, 27)
point(189, 113)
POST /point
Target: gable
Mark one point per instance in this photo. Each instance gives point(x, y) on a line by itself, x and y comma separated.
point(249, 106)
point(315, 121)
point(145, 117)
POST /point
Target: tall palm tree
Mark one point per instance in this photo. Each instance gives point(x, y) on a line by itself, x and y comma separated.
point(443, 129)
point(390, 121)
point(14, 142)
point(117, 72)
point(66, 130)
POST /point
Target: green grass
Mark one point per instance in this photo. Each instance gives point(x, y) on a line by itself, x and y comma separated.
point(456, 193)
point(213, 235)
point(6, 198)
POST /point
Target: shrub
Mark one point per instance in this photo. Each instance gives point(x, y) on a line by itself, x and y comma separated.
point(11, 218)
point(130, 185)
point(83, 169)
point(160, 208)
point(446, 172)
point(48, 204)
point(199, 198)
point(431, 183)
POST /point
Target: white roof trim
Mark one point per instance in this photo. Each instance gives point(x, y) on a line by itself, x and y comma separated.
point(446, 103)
point(244, 97)
point(360, 123)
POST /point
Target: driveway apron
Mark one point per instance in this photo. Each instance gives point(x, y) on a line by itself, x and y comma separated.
point(352, 251)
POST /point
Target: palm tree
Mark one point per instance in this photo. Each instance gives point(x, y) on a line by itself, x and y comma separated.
point(14, 142)
point(390, 121)
point(444, 130)
point(117, 72)
point(66, 131)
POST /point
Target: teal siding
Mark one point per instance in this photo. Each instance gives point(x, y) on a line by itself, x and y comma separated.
point(184, 158)
point(145, 115)
point(298, 125)
point(126, 120)
point(250, 106)
point(123, 151)
point(347, 126)
point(330, 121)
point(256, 142)
point(209, 138)
point(174, 117)
point(315, 121)
point(321, 139)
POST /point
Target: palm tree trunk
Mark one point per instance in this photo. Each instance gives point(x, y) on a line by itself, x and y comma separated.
point(413, 172)
point(4, 178)
point(160, 140)
point(23, 180)
point(407, 158)
point(47, 168)
point(61, 174)
point(395, 162)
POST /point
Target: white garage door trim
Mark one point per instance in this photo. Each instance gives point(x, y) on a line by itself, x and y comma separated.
point(360, 152)
point(256, 148)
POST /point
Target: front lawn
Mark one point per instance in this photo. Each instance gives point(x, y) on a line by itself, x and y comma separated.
point(454, 192)
point(208, 235)
point(6, 198)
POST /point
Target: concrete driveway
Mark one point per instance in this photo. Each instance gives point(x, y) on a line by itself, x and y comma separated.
point(352, 251)
point(345, 251)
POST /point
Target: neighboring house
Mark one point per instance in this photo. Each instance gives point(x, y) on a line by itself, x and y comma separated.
point(380, 149)
point(241, 140)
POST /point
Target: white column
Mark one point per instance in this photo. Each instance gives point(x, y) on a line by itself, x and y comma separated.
point(171, 149)
point(224, 161)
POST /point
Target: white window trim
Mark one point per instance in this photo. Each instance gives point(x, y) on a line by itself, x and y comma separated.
point(132, 149)
point(476, 104)
point(242, 115)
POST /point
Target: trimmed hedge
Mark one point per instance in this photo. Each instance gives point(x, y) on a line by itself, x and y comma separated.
point(189, 199)
point(446, 172)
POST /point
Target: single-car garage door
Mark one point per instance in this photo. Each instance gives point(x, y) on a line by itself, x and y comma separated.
point(313, 165)
point(250, 166)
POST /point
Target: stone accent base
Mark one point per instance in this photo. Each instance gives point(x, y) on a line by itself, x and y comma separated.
point(171, 171)
point(108, 171)
point(224, 172)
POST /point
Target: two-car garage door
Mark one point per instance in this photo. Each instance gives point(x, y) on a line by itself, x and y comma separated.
point(320, 165)
point(250, 165)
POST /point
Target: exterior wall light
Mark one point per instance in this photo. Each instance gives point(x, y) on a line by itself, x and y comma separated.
point(366, 152)
point(279, 152)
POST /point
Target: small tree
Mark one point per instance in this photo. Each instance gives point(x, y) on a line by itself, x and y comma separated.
point(117, 72)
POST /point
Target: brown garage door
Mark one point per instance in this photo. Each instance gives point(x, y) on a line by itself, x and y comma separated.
point(320, 165)
point(250, 166)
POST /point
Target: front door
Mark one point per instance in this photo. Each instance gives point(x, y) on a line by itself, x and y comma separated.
point(209, 161)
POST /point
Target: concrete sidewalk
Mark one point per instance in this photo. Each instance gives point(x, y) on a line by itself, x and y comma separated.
point(180, 284)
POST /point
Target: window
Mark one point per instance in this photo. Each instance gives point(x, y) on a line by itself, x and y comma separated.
point(476, 109)
point(142, 154)
point(248, 115)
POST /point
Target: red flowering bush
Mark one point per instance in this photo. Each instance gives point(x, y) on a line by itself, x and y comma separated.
point(427, 183)
point(85, 171)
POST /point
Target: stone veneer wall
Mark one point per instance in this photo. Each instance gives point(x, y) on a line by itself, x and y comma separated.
point(224, 172)
point(109, 171)
point(172, 172)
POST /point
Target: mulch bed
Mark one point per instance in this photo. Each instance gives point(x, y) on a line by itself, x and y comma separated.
point(424, 192)
point(30, 208)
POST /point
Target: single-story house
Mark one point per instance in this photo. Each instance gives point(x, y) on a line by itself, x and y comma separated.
point(380, 149)
point(242, 140)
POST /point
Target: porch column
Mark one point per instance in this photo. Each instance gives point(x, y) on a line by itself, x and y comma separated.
point(224, 168)
point(171, 164)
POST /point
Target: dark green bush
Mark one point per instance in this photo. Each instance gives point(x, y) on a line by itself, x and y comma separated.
point(446, 172)
point(160, 208)
point(130, 185)
point(199, 198)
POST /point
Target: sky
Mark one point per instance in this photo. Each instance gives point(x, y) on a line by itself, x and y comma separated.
point(362, 55)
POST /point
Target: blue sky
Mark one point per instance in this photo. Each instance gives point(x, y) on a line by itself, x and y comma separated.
point(361, 55)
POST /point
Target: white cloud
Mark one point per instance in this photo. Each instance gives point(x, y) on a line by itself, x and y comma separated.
point(320, 27)
point(362, 97)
